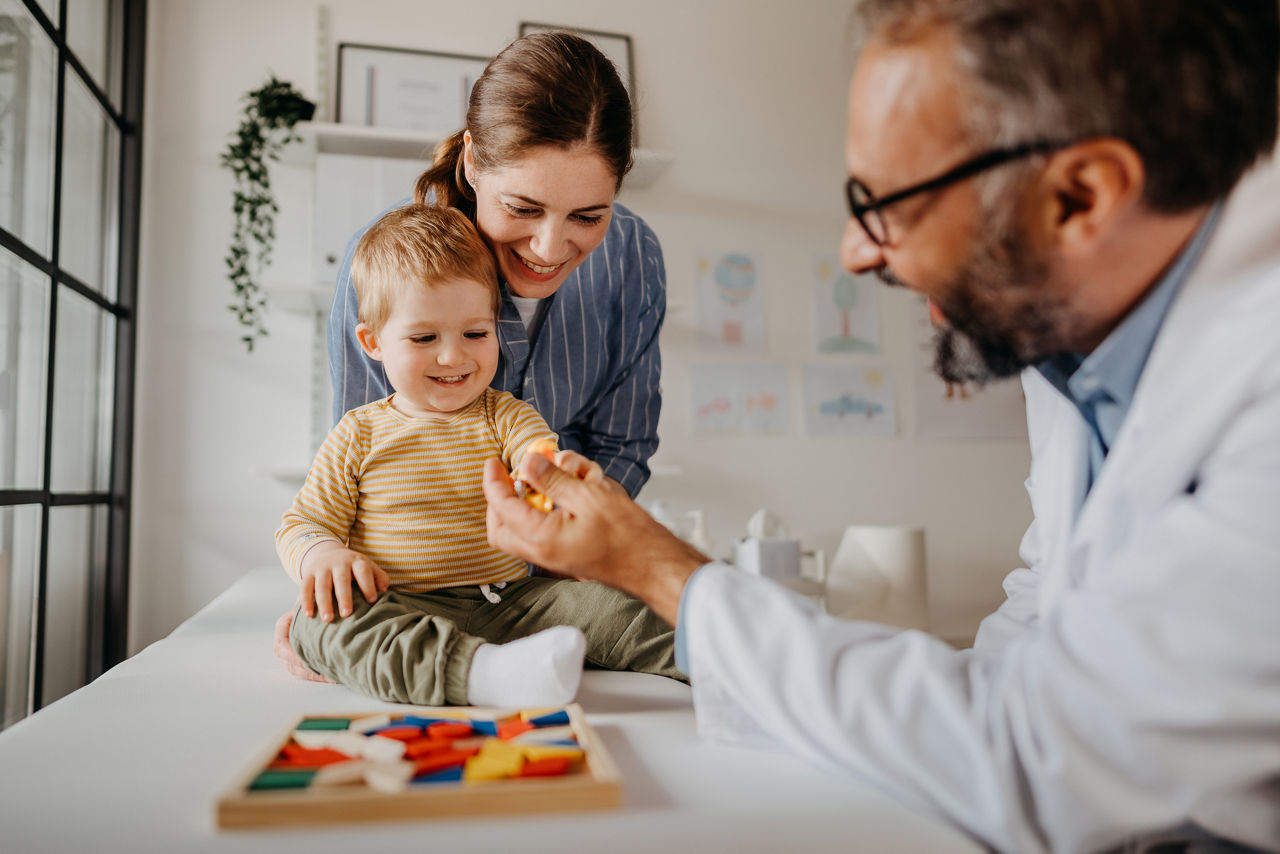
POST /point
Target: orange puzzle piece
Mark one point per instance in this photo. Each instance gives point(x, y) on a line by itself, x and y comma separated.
point(536, 499)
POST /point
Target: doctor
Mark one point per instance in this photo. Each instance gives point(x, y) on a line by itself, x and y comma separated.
point(1073, 184)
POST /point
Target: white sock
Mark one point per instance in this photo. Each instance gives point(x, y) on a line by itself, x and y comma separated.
point(540, 670)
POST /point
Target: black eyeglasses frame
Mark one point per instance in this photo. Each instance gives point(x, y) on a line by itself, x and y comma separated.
point(981, 163)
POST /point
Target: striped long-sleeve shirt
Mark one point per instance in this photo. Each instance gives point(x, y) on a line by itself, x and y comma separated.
point(593, 370)
point(406, 492)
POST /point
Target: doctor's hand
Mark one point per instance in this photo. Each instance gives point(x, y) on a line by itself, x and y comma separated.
point(595, 531)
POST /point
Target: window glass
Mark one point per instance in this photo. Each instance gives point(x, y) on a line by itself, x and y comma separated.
point(93, 34)
point(77, 557)
point(50, 8)
point(19, 560)
point(24, 333)
point(90, 167)
point(28, 77)
point(83, 387)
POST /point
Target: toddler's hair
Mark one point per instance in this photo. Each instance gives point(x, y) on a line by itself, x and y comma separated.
point(418, 245)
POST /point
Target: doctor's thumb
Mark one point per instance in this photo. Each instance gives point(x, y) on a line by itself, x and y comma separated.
point(546, 477)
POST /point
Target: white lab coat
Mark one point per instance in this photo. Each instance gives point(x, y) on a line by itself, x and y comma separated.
point(1132, 679)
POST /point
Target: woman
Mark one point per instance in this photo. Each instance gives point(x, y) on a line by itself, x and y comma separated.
point(545, 149)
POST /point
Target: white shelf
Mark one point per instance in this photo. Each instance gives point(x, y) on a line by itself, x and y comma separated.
point(647, 168)
point(333, 138)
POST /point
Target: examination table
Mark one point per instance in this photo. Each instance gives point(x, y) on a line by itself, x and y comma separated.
point(136, 760)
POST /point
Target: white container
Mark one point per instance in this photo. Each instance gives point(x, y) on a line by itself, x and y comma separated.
point(777, 558)
point(878, 574)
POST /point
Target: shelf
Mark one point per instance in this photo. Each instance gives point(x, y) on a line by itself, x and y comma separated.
point(647, 168)
point(333, 138)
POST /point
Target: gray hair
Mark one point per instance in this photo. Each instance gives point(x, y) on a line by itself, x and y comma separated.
point(1190, 84)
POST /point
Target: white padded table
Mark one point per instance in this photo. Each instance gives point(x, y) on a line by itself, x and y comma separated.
point(136, 760)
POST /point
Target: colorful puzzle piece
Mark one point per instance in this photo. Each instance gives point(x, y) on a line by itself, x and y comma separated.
point(449, 730)
point(325, 723)
point(495, 761)
point(552, 766)
point(282, 780)
point(546, 717)
point(444, 759)
point(453, 774)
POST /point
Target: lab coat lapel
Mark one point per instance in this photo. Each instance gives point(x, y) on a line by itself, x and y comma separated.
point(1062, 463)
point(1185, 393)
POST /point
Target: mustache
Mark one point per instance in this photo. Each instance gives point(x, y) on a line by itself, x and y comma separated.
point(888, 277)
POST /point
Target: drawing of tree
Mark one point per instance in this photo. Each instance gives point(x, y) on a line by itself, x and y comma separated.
point(844, 293)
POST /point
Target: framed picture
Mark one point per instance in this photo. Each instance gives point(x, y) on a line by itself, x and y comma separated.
point(616, 46)
point(406, 89)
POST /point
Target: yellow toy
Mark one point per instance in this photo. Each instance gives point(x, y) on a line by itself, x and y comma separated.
point(536, 499)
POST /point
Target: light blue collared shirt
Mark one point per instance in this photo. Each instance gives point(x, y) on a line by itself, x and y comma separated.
point(1101, 385)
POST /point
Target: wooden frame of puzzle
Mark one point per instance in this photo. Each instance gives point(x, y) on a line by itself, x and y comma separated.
point(417, 762)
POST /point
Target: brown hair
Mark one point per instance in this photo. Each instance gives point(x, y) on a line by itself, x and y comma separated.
point(1191, 85)
point(418, 244)
point(552, 88)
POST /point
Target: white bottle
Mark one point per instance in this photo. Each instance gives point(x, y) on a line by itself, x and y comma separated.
point(698, 537)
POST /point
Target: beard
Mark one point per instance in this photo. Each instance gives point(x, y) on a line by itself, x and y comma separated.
point(1000, 311)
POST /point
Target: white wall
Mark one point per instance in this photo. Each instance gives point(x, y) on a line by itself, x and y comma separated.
point(748, 98)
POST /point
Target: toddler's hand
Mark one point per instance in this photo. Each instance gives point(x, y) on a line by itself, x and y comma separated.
point(328, 572)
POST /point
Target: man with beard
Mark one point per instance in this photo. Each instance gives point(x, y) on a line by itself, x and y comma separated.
point(1073, 185)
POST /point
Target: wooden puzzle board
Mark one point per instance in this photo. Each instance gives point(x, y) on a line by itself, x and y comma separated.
point(289, 784)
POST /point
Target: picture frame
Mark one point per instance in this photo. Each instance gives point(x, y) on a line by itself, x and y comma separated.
point(615, 46)
point(405, 88)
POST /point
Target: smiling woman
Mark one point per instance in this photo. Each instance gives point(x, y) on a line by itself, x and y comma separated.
point(546, 146)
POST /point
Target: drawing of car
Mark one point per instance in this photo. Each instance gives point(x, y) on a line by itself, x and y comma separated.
point(847, 404)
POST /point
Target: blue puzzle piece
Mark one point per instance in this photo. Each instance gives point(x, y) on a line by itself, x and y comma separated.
point(485, 727)
point(418, 720)
point(452, 774)
point(560, 718)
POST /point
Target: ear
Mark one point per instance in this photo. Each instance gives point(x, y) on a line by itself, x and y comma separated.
point(468, 165)
point(1086, 189)
point(368, 341)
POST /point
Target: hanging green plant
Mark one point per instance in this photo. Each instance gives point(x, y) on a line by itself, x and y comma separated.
point(270, 114)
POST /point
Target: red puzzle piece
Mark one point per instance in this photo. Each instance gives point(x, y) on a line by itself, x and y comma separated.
point(437, 761)
point(552, 766)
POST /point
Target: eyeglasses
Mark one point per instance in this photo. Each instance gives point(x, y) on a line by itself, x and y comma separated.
point(867, 209)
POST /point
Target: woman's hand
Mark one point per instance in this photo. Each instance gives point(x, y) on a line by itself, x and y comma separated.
point(595, 531)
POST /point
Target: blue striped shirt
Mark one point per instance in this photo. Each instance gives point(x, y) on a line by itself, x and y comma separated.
point(593, 369)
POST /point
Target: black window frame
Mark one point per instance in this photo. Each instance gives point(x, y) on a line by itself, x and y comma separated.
point(108, 591)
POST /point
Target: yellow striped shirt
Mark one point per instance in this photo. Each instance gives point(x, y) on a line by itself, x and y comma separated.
point(406, 492)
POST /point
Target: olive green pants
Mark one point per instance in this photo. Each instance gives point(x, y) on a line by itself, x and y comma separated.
point(417, 647)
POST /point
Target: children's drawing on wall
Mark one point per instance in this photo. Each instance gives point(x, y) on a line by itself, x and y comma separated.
point(849, 400)
point(961, 410)
point(846, 317)
point(730, 302)
point(738, 400)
